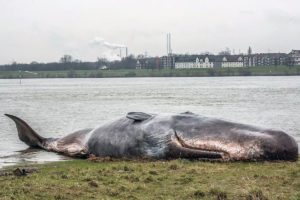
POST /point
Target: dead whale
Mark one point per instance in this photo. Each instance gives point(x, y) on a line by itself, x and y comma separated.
point(164, 136)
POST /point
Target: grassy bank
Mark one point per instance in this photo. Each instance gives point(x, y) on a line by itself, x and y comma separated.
point(177, 179)
point(250, 71)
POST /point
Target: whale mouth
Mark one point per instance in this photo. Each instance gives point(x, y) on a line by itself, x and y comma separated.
point(191, 152)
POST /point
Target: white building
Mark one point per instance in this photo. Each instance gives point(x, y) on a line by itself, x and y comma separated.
point(208, 61)
point(190, 64)
point(232, 62)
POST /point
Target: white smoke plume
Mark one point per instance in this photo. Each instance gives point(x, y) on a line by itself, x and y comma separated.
point(105, 49)
point(101, 42)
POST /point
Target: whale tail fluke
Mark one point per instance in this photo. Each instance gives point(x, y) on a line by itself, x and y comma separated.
point(26, 133)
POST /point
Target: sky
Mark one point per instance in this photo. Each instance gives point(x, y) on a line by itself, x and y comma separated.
point(45, 30)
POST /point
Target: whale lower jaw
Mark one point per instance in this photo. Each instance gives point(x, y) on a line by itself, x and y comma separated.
point(215, 150)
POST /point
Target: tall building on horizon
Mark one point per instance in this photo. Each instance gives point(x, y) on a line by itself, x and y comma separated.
point(169, 49)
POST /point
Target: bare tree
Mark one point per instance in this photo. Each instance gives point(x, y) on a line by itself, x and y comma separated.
point(227, 51)
point(66, 59)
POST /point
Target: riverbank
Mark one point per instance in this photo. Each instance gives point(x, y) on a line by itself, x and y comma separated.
point(176, 179)
point(249, 71)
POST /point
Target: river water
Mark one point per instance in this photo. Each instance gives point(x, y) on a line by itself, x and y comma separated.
point(55, 107)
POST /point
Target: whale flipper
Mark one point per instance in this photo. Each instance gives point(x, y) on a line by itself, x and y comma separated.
point(138, 116)
point(26, 133)
point(188, 113)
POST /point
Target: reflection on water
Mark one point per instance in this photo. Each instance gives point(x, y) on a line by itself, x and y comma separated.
point(30, 156)
point(55, 107)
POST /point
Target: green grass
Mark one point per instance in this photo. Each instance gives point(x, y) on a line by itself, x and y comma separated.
point(250, 71)
point(138, 179)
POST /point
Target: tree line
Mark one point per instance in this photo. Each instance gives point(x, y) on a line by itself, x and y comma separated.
point(66, 62)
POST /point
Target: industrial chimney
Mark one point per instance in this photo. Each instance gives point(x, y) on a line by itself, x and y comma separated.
point(169, 49)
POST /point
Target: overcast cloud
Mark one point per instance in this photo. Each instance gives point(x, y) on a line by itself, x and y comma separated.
point(44, 30)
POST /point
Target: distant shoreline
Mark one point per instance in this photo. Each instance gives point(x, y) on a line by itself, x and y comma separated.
point(212, 72)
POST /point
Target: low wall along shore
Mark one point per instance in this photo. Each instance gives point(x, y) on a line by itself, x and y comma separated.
point(245, 71)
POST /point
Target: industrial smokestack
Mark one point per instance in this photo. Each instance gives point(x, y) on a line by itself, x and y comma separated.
point(167, 43)
point(170, 48)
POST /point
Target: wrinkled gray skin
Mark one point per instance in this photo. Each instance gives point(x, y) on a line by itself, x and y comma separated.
point(185, 135)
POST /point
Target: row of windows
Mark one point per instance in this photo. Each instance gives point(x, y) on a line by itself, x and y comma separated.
point(193, 65)
point(186, 65)
point(232, 64)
